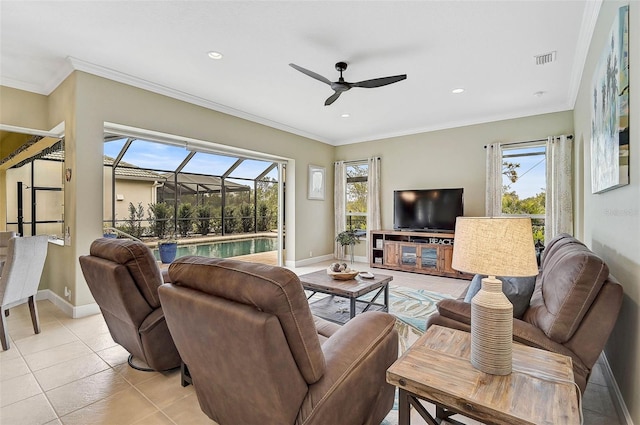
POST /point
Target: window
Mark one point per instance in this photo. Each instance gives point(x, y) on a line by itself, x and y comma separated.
point(524, 184)
point(356, 192)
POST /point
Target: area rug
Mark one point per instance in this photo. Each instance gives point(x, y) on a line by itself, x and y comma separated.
point(411, 307)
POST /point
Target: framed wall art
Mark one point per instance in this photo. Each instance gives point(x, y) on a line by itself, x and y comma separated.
point(610, 110)
point(316, 182)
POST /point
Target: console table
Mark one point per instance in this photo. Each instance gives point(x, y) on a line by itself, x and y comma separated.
point(436, 368)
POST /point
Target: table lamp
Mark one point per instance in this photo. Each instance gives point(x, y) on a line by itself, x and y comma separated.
point(493, 246)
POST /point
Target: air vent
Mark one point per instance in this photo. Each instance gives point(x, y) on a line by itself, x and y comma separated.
point(545, 58)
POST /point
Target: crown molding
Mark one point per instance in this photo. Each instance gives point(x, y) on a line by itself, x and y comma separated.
point(589, 19)
point(100, 71)
point(457, 124)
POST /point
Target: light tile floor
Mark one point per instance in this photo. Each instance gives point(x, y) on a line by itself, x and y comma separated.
point(74, 373)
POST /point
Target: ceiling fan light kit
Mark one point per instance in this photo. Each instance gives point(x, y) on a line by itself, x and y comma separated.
point(341, 85)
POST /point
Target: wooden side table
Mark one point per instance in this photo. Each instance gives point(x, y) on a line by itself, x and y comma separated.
point(436, 368)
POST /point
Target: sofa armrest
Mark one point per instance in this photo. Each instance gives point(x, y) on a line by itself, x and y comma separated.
point(357, 357)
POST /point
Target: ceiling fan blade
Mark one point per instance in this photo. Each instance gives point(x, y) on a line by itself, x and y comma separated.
point(310, 73)
point(379, 82)
point(332, 98)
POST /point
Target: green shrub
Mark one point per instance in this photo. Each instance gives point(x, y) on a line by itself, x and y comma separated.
point(231, 224)
point(246, 218)
point(185, 218)
point(134, 221)
point(160, 215)
point(203, 220)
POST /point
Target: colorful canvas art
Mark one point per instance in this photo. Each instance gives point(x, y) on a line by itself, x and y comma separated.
point(610, 114)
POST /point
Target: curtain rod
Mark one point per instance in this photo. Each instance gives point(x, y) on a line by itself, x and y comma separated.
point(528, 141)
point(358, 160)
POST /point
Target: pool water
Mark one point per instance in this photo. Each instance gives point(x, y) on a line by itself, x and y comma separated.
point(226, 249)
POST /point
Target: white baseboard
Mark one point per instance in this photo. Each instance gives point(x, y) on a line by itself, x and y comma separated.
point(618, 401)
point(66, 307)
point(309, 261)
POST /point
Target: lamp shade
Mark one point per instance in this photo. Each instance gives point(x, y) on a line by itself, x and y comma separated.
point(495, 246)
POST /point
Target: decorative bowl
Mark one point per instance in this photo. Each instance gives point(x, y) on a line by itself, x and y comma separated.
point(344, 275)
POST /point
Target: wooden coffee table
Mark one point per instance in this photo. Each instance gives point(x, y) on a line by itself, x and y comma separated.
point(436, 368)
point(351, 289)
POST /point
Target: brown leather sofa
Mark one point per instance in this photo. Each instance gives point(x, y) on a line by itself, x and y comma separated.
point(257, 356)
point(123, 277)
point(573, 309)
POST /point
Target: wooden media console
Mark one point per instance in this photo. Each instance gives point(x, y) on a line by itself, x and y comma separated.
point(417, 252)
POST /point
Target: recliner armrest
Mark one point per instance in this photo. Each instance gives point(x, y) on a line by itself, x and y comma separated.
point(523, 332)
point(155, 318)
point(526, 333)
point(457, 310)
point(357, 357)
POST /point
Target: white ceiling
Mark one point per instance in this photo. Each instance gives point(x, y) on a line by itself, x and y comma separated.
point(486, 47)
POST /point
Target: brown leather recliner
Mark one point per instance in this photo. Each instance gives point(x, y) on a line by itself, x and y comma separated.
point(123, 277)
point(257, 356)
point(573, 309)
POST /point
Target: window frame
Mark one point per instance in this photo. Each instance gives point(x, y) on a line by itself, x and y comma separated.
point(506, 148)
point(358, 179)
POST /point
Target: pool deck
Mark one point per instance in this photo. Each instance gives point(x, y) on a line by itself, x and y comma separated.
point(268, 257)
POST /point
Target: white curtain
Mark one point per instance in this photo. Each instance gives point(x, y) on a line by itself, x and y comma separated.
point(559, 199)
point(374, 221)
point(339, 203)
point(493, 190)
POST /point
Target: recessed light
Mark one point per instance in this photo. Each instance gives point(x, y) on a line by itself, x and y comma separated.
point(457, 91)
point(345, 116)
point(215, 55)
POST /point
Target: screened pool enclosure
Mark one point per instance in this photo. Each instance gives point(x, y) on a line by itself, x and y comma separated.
point(160, 190)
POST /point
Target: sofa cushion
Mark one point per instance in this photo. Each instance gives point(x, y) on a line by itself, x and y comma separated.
point(517, 289)
point(571, 277)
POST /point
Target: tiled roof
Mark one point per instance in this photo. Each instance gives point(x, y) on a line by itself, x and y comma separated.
point(124, 169)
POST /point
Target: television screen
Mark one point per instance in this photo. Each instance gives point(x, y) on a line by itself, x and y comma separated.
point(427, 209)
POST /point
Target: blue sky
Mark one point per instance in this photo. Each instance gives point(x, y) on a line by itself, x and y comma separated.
point(531, 173)
point(158, 156)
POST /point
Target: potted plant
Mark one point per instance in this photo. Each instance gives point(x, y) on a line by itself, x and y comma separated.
point(108, 232)
point(348, 238)
point(168, 249)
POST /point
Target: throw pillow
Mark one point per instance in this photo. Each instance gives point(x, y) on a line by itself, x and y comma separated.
point(517, 289)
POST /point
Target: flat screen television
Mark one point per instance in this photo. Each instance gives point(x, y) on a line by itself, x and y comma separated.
point(427, 209)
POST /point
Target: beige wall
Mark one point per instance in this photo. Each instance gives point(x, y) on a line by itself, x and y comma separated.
point(610, 221)
point(449, 158)
point(14, 104)
point(133, 191)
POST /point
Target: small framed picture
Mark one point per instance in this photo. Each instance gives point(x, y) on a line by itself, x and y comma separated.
point(316, 182)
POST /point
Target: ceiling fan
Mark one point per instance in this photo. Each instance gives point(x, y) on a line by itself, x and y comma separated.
point(341, 85)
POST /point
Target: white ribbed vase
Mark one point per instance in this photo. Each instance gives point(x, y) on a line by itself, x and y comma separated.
point(491, 329)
